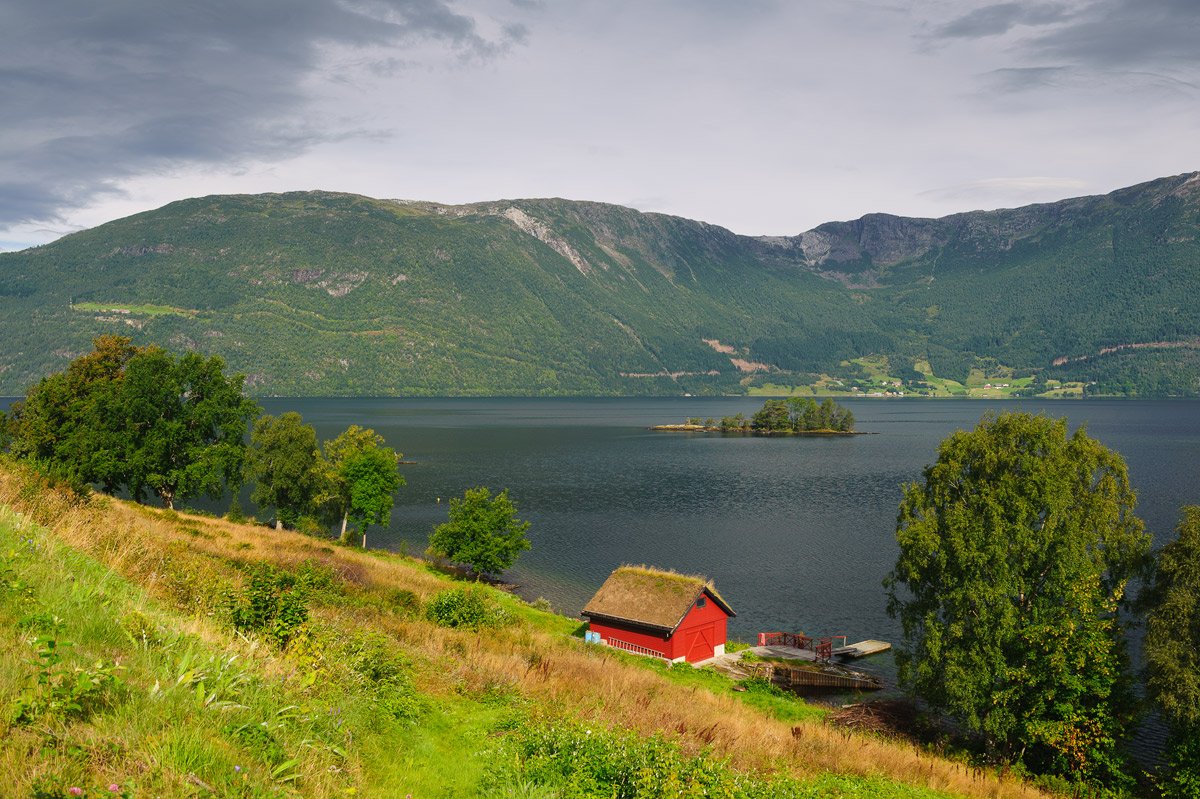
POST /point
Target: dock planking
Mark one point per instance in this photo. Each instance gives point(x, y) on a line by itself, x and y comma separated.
point(862, 648)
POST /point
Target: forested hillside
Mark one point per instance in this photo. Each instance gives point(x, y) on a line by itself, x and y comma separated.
point(320, 293)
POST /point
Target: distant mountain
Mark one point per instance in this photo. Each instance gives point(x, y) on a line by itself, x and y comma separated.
point(320, 293)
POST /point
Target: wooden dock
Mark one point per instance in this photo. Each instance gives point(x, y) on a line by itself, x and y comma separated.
point(862, 648)
point(790, 677)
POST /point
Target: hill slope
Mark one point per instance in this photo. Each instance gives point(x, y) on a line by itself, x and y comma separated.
point(120, 665)
point(320, 293)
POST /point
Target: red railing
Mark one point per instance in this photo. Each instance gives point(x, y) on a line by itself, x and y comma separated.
point(634, 648)
point(822, 648)
point(797, 640)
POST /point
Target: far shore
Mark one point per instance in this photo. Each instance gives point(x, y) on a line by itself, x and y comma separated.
point(699, 428)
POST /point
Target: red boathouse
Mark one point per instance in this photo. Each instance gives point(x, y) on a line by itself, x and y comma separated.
point(654, 612)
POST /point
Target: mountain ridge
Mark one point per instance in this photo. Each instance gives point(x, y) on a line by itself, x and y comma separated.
point(335, 293)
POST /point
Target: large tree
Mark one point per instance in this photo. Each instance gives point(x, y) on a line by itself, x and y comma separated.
point(360, 477)
point(1172, 650)
point(285, 465)
point(1015, 552)
point(482, 532)
point(141, 419)
point(59, 423)
point(175, 427)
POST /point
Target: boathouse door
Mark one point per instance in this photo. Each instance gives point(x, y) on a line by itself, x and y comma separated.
point(700, 643)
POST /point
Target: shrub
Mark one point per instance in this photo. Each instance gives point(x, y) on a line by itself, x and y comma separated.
point(139, 628)
point(271, 602)
point(469, 607)
point(404, 601)
point(235, 513)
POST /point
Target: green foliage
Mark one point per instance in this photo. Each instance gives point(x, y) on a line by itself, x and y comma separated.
point(1182, 780)
point(139, 419)
point(800, 415)
point(1015, 551)
point(469, 607)
point(483, 532)
point(757, 684)
point(284, 464)
point(61, 693)
point(235, 513)
point(1172, 644)
point(570, 760)
point(272, 602)
point(1170, 651)
point(360, 476)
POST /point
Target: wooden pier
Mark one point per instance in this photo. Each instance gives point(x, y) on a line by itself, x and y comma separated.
point(862, 648)
point(786, 676)
point(824, 648)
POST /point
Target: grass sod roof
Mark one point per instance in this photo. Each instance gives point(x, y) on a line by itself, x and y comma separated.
point(651, 597)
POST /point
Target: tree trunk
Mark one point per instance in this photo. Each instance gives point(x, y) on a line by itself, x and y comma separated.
point(345, 516)
point(279, 524)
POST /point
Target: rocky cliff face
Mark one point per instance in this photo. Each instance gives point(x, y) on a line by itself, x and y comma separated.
point(882, 240)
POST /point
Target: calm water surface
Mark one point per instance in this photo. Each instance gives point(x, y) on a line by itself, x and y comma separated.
point(797, 533)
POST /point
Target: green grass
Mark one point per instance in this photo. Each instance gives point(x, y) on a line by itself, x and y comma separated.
point(369, 699)
point(143, 310)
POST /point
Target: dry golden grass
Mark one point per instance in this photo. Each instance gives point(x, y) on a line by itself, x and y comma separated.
point(182, 558)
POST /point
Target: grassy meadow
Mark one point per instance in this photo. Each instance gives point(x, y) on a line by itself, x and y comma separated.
point(145, 653)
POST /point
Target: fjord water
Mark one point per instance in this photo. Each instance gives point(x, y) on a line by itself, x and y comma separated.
point(796, 532)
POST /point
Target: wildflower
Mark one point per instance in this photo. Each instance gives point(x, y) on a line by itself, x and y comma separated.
point(114, 788)
point(237, 768)
point(74, 791)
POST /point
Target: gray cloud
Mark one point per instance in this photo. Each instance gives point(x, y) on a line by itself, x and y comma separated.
point(1020, 79)
point(1125, 33)
point(994, 20)
point(99, 92)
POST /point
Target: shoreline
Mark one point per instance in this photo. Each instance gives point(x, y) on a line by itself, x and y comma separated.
point(699, 428)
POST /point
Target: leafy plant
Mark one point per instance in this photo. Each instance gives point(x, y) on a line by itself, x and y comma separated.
point(62, 693)
point(272, 602)
point(468, 606)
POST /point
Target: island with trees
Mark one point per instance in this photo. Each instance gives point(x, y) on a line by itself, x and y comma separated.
point(792, 416)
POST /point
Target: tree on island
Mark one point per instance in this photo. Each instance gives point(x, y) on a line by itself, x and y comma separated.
point(1172, 652)
point(1015, 552)
point(482, 532)
point(800, 415)
point(285, 465)
point(359, 477)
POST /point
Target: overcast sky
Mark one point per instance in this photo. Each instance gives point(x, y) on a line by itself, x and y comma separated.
point(764, 117)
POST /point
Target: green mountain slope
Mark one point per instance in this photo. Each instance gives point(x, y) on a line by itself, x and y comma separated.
point(332, 294)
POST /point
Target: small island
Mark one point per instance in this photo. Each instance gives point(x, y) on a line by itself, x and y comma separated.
point(793, 416)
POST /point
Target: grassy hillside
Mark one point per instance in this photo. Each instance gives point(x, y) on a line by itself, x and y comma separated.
point(319, 293)
point(123, 672)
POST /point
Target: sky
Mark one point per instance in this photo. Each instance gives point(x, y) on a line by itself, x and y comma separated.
point(763, 117)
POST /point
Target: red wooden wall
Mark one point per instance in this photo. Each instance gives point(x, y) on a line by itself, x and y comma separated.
point(701, 630)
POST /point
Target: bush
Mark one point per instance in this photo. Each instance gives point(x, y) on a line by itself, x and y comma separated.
point(235, 513)
point(271, 602)
point(469, 607)
point(404, 602)
point(575, 760)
